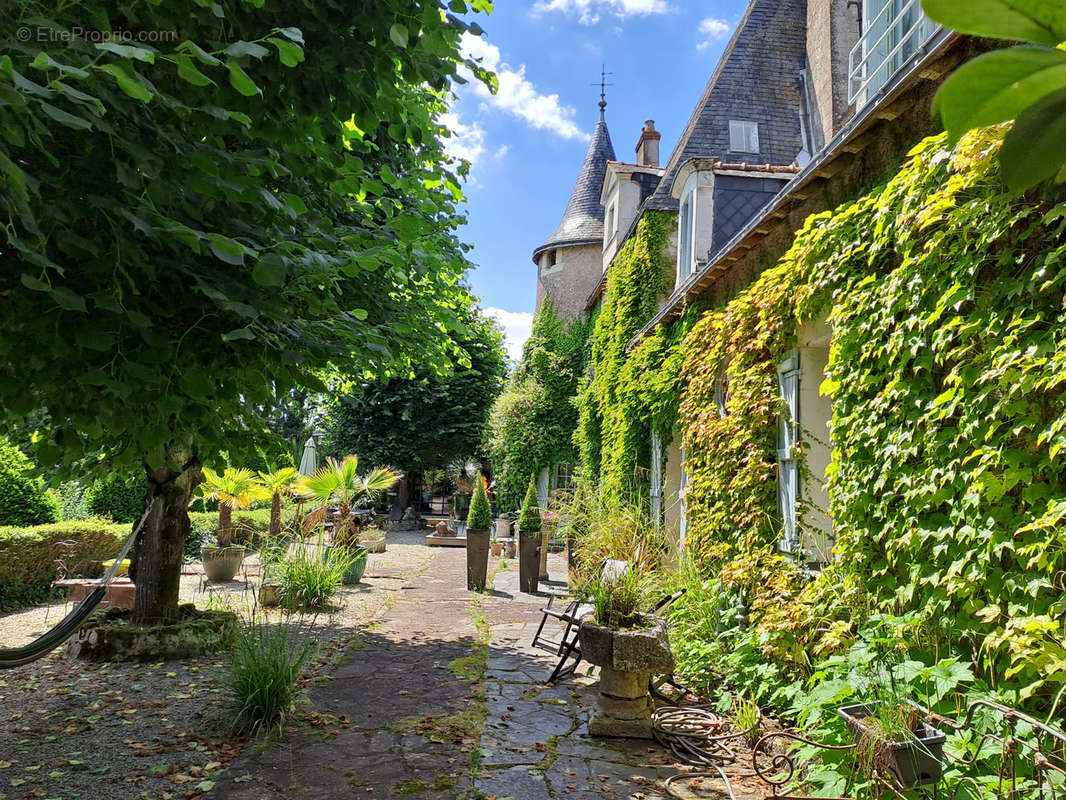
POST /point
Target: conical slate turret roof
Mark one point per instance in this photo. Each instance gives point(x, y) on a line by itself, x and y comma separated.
point(583, 221)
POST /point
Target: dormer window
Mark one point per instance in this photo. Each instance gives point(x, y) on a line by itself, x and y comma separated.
point(684, 238)
point(743, 136)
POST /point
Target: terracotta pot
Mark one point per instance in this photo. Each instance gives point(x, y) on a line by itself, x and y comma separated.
point(222, 563)
point(496, 548)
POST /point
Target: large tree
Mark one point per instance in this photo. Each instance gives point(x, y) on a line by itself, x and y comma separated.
point(425, 419)
point(206, 205)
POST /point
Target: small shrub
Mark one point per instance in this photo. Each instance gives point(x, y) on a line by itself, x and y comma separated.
point(309, 580)
point(71, 496)
point(23, 498)
point(120, 497)
point(480, 516)
point(264, 674)
point(529, 518)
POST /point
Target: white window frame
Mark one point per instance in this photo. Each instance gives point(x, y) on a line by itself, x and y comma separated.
point(788, 437)
point(743, 136)
point(568, 471)
point(686, 235)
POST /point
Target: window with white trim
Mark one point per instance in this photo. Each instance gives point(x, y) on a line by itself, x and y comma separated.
point(564, 477)
point(743, 136)
point(788, 482)
point(684, 238)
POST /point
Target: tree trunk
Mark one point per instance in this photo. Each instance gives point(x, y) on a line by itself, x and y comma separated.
point(157, 554)
point(225, 524)
point(275, 515)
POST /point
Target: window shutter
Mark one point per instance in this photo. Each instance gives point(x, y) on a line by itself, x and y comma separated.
point(787, 438)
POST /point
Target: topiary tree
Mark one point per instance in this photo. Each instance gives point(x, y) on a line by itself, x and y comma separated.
point(529, 516)
point(299, 220)
point(23, 498)
point(480, 516)
point(120, 497)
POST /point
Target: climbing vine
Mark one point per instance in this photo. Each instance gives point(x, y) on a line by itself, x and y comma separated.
point(947, 369)
point(625, 393)
point(532, 422)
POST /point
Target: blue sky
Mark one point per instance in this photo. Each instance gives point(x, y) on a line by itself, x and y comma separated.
point(527, 142)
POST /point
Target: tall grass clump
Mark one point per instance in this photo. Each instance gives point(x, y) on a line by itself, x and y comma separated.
point(264, 674)
point(309, 580)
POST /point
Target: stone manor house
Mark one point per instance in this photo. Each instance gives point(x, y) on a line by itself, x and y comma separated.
point(811, 103)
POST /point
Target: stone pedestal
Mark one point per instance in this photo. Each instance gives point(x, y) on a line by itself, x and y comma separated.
point(545, 538)
point(627, 658)
point(623, 706)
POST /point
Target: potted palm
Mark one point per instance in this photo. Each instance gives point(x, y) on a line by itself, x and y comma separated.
point(233, 489)
point(529, 541)
point(278, 484)
point(478, 530)
point(339, 484)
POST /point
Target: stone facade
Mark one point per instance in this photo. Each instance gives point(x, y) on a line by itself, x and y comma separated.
point(571, 279)
point(832, 30)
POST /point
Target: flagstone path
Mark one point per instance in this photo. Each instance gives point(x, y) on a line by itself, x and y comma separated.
point(442, 697)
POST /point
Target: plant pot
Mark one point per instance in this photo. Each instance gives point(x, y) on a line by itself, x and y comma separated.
point(510, 548)
point(477, 558)
point(528, 561)
point(496, 548)
point(917, 762)
point(222, 563)
point(373, 544)
point(270, 594)
point(354, 573)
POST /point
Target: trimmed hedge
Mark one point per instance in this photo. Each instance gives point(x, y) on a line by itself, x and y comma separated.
point(23, 498)
point(249, 527)
point(119, 497)
point(28, 554)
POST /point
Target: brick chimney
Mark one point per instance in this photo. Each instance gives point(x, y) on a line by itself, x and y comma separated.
point(648, 145)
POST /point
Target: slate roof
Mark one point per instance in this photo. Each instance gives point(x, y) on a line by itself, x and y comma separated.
point(583, 220)
point(756, 79)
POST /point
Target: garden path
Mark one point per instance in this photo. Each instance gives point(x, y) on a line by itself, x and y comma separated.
point(443, 698)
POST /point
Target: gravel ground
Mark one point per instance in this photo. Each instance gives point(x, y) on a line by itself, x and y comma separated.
point(70, 729)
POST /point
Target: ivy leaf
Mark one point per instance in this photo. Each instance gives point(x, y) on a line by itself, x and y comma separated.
point(61, 116)
point(187, 71)
point(293, 34)
point(998, 86)
point(1035, 148)
point(399, 35)
point(127, 81)
point(226, 249)
point(1037, 21)
point(240, 81)
point(289, 53)
point(269, 270)
point(242, 48)
point(127, 51)
point(239, 333)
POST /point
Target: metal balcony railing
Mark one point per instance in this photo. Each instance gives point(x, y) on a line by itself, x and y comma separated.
point(892, 35)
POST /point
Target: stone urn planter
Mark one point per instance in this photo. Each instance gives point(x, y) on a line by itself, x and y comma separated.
point(477, 558)
point(373, 542)
point(222, 563)
point(627, 658)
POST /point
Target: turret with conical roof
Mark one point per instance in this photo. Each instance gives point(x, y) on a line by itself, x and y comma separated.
point(569, 262)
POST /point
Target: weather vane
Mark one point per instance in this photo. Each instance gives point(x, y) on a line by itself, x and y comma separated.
point(603, 87)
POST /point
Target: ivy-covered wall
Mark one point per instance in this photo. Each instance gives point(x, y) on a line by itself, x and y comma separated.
point(947, 368)
point(531, 425)
point(624, 394)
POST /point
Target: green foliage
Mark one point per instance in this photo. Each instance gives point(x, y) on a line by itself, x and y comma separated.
point(309, 579)
point(1026, 83)
point(529, 516)
point(428, 419)
point(945, 299)
point(532, 423)
point(616, 599)
point(480, 512)
point(301, 217)
point(28, 556)
point(119, 497)
point(23, 498)
point(264, 674)
point(623, 396)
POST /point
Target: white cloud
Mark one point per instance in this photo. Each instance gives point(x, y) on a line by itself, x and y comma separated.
point(517, 95)
point(516, 327)
point(712, 29)
point(588, 11)
point(466, 141)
